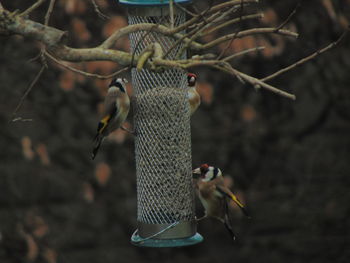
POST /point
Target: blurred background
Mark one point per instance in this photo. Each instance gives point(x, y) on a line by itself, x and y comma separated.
point(289, 161)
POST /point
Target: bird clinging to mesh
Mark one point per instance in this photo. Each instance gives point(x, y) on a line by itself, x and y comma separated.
point(193, 97)
point(116, 109)
point(214, 195)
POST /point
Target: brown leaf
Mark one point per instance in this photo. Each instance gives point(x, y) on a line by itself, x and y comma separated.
point(270, 17)
point(43, 154)
point(205, 90)
point(39, 228)
point(102, 85)
point(328, 5)
point(74, 6)
point(67, 80)
point(32, 247)
point(209, 37)
point(101, 67)
point(88, 192)
point(50, 255)
point(114, 24)
point(343, 21)
point(80, 30)
point(27, 148)
point(102, 173)
point(248, 113)
point(102, 3)
point(238, 45)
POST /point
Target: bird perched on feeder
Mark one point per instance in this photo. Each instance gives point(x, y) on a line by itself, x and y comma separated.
point(116, 109)
point(214, 195)
point(193, 96)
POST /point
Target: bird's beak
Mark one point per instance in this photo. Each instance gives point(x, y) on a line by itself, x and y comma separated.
point(240, 205)
point(196, 173)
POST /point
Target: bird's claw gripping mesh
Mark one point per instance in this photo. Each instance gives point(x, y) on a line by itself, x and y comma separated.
point(162, 125)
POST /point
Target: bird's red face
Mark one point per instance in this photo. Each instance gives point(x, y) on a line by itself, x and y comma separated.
point(204, 168)
point(201, 171)
point(191, 79)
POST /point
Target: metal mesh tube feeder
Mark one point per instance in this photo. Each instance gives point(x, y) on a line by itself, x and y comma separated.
point(165, 195)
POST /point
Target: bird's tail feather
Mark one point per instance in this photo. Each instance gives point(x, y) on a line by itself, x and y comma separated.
point(227, 222)
point(230, 230)
point(97, 140)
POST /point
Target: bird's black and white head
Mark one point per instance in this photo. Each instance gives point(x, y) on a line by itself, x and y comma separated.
point(118, 83)
point(206, 173)
point(191, 79)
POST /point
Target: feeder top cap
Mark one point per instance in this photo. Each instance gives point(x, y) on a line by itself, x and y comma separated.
point(150, 2)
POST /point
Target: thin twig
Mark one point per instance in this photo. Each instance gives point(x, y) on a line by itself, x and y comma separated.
point(47, 19)
point(19, 105)
point(171, 13)
point(227, 46)
point(233, 21)
point(32, 8)
point(215, 18)
point(289, 17)
point(228, 58)
point(97, 10)
point(37, 56)
point(192, 33)
point(84, 73)
point(248, 32)
point(306, 59)
point(233, 36)
point(49, 12)
point(256, 83)
point(184, 9)
point(142, 39)
point(209, 11)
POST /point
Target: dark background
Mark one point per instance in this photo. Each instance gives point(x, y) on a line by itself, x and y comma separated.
point(290, 160)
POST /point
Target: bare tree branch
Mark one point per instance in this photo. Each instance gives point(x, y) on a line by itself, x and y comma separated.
point(171, 14)
point(185, 10)
point(306, 59)
point(241, 34)
point(49, 12)
point(32, 8)
point(228, 58)
point(153, 58)
point(97, 10)
point(231, 22)
point(289, 17)
point(15, 24)
point(84, 73)
point(251, 80)
point(19, 105)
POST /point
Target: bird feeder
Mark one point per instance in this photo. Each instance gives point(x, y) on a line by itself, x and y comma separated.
point(165, 195)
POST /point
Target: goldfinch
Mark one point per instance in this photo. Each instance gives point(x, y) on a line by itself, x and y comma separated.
point(214, 195)
point(116, 109)
point(193, 97)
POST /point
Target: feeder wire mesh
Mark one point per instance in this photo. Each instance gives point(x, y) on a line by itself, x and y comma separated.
point(163, 141)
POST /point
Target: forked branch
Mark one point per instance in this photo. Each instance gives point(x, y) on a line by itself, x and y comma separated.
point(154, 57)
